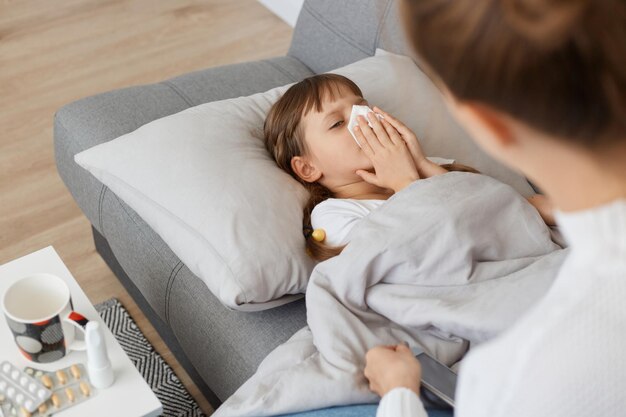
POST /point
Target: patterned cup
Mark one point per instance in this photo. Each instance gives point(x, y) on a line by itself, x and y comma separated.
point(38, 309)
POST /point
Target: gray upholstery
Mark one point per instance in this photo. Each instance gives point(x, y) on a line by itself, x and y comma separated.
point(223, 346)
point(330, 34)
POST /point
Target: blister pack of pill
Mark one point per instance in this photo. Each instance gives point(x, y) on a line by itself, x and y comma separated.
point(5, 406)
point(69, 386)
point(21, 389)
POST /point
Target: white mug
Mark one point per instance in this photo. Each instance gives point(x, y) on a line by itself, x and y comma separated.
point(38, 309)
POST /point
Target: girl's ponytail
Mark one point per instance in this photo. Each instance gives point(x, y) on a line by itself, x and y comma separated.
point(317, 250)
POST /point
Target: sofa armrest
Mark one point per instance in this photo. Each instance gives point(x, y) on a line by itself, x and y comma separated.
point(330, 34)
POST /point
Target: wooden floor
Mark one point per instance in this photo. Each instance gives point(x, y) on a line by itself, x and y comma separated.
point(54, 52)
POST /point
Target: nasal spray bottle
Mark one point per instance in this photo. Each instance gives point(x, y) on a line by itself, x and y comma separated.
point(98, 363)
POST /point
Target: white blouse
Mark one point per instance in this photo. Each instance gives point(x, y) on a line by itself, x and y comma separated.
point(567, 355)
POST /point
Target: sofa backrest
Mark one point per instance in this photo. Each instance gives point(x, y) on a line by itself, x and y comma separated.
point(331, 33)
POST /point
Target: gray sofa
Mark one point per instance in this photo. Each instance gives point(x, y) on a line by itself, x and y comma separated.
point(220, 348)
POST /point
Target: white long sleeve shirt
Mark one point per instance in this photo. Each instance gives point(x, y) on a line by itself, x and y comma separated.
point(567, 355)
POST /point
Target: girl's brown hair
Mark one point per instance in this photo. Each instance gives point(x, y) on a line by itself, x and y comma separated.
point(557, 65)
point(284, 139)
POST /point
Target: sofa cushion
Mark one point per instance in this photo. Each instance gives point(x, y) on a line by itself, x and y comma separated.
point(204, 182)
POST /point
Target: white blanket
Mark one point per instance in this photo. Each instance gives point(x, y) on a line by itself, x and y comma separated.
point(446, 264)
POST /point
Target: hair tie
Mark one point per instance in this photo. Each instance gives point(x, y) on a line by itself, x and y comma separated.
point(319, 235)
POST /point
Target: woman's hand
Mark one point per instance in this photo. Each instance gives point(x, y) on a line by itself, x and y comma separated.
point(425, 167)
point(389, 367)
point(393, 164)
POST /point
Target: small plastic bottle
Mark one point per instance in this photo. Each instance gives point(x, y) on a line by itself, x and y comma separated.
point(98, 363)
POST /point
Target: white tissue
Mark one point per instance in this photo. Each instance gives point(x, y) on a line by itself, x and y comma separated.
point(360, 111)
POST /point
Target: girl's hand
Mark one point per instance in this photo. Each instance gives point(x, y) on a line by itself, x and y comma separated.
point(425, 167)
point(389, 367)
point(388, 152)
point(407, 135)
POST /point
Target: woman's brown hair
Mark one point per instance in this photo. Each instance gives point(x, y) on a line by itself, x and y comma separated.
point(557, 65)
point(284, 139)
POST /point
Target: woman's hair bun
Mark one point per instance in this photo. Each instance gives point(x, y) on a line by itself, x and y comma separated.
point(545, 23)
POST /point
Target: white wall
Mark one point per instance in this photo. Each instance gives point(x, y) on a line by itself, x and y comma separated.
point(285, 9)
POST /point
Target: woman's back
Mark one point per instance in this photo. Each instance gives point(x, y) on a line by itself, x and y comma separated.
point(566, 357)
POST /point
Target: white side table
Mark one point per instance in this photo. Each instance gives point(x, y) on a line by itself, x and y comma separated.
point(129, 395)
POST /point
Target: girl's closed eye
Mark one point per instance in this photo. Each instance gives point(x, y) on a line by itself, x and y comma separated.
point(335, 125)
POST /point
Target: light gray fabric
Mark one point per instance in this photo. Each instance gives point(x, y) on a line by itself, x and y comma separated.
point(323, 26)
point(238, 79)
point(93, 120)
point(447, 263)
point(330, 33)
point(226, 346)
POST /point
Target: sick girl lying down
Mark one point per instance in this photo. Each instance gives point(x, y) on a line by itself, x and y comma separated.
point(306, 131)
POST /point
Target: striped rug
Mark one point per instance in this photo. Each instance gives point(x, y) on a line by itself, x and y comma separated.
point(176, 400)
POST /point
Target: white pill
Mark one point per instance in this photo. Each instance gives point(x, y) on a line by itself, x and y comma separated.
point(42, 393)
point(19, 398)
point(15, 374)
point(10, 392)
point(3, 385)
point(32, 387)
point(23, 381)
point(28, 404)
point(6, 368)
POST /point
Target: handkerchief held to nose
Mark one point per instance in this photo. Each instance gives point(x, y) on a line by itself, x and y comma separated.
point(360, 111)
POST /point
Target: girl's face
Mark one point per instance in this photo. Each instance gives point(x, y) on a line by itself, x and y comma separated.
point(331, 149)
